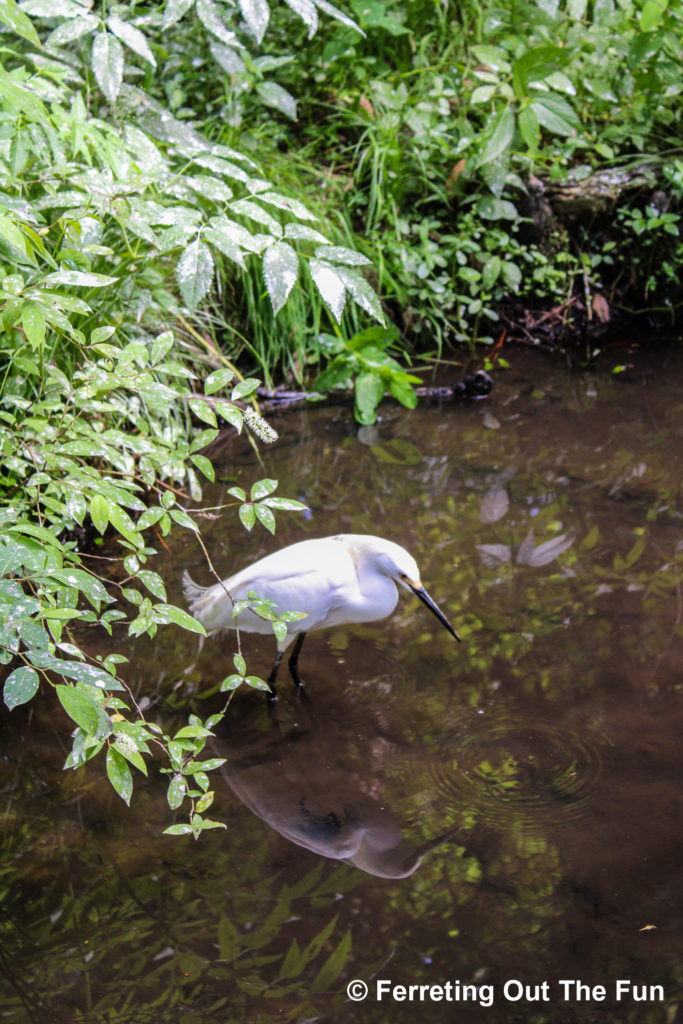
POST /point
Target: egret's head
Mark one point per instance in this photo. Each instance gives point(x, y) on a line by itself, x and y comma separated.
point(394, 561)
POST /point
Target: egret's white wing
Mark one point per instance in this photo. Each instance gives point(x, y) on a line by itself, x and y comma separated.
point(311, 576)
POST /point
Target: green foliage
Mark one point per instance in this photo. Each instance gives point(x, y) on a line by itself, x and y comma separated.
point(363, 362)
point(112, 220)
point(443, 130)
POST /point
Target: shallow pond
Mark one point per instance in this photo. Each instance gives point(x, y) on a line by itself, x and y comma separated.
point(499, 822)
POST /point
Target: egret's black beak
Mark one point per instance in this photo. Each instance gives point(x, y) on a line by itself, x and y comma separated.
point(420, 592)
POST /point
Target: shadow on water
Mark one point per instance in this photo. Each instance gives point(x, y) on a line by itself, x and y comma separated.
point(500, 822)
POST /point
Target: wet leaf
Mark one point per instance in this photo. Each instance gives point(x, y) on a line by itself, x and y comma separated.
point(280, 271)
point(209, 14)
point(340, 254)
point(166, 613)
point(107, 64)
point(500, 138)
point(244, 388)
point(79, 706)
point(174, 10)
point(273, 95)
point(133, 38)
point(330, 285)
point(490, 421)
point(544, 553)
point(262, 488)
point(265, 517)
point(256, 13)
point(119, 774)
point(78, 279)
point(176, 792)
point(369, 393)
point(99, 512)
point(361, 293)
point(494, 505)
point(194, 273)
point(247, 516)
point(303, 233)
point(334, 12)
point(153, 582)
point(307, 12)
point(20, 686)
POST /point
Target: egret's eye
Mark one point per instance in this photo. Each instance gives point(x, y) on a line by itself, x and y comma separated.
point(402, 576)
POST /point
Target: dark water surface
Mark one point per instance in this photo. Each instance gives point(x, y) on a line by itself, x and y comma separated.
point(505, 815)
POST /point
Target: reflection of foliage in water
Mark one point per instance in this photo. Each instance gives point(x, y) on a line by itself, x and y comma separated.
point(569, 643)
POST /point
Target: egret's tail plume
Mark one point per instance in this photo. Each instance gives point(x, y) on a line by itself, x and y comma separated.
point(192, 591)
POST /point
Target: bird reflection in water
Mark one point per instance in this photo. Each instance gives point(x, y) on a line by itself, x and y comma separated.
point(306, 782)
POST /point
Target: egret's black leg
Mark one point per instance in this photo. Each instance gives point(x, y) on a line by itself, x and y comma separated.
point(294, 664)
point(294, 659)
point(273, 676)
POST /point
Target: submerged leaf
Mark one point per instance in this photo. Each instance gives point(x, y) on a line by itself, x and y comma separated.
point(494, 555)
point(494, 505)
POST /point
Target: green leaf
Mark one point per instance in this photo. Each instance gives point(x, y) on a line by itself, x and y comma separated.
point(240, 664)
point(555, 115)
point(265, 517)
point(231, 682)
point(262, 488)
point(107, 64)
point(204, 465)
point(176, 792)
point(203, 439)
point(403, 393)
point(247, 516)
point(20, 686)
point(124, 747)
point(132, 37)
point(499, 138)
point(652, 13)
point(217, 380)
point(194, 273)
point(280, 272)
point(122, 522)
point(79, 706)
point(153, 582)
point(244, 388)
point(119, 774)
point(166, 613)
point(257, 683)
point(181, 517)
point(369, 393)
point(285, 504)
point(78, 279)
point(99, 512)
point(529, 129)
point(18, 22)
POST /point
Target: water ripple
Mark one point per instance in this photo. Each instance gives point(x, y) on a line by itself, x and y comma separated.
point(515, 768)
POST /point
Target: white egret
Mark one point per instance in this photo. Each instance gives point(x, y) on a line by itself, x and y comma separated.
point(333, 580)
